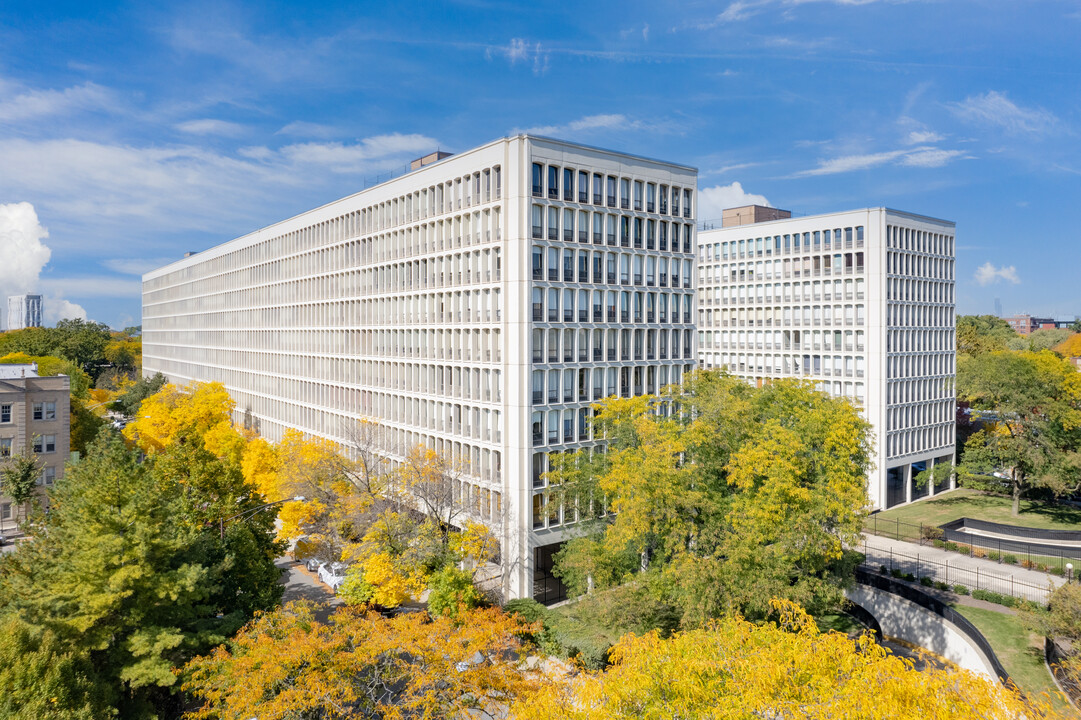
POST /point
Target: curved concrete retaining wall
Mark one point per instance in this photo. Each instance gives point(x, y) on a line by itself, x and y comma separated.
point(1017, 531)
point(905, 620)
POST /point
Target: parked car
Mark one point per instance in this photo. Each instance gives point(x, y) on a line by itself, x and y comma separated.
point(313, 564)
point(333, 574)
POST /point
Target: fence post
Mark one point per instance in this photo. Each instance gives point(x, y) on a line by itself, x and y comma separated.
point(891, 560)
point(1012, 593)
point(947, 580)
point(917, 566)
point(977, 577)
point(897, 532)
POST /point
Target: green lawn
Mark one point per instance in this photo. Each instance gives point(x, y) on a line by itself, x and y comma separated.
point(1019, 651)
point(969, 503)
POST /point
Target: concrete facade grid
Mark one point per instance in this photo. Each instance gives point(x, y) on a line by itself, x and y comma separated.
point(413, 304)
point(862, 304)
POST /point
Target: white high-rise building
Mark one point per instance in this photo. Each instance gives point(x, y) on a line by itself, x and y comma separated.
point(861, 303)
point(476, 305)
point(24, 311)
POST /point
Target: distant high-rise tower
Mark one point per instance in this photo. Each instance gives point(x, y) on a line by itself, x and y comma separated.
point(24, 311)
point(998, 308)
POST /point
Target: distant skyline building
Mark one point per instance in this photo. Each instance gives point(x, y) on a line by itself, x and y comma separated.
point(24, 311)
point(477, 305)
point(859, 302)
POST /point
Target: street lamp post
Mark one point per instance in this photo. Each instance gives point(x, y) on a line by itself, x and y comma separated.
point(1069, 572)
point(252, 511)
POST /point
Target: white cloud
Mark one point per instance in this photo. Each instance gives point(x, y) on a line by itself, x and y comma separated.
point(210, 126)
point(744, 9)
point(848, 163)
point(713, 200)
point(100, 286)
point(988, 274)
point(136, 266)
point(44, 103)
point(995, 109)
point(22, 252)
point(301, 128)
point(924, 157)
point(23, 255)
point(362, 156)
point(922, 137)
point(54, 309)
point(519, 50)
point(183, 187)
point(930, 157)
point(585, 124)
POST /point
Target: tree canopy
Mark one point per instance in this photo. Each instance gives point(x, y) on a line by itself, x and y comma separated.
point(732, 668)
point(1033, 401)
point(741, 493)
point(978, 334)
point(288, 665)
point(140, 564)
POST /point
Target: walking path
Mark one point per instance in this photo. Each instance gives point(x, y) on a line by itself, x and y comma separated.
point(953, 568)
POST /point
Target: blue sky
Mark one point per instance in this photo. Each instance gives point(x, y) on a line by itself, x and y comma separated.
point(130, 133)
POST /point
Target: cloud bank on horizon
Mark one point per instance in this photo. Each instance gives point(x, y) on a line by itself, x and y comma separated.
point(23, 256)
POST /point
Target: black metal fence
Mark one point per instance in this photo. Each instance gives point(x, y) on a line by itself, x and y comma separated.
point(1031, 556)
point(972, 578)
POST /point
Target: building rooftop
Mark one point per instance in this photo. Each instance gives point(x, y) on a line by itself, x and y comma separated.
point(14, 372)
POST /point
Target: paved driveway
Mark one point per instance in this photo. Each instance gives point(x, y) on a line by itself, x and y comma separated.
point(302, 585)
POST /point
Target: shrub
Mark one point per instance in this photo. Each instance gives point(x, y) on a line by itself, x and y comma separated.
point(939, 585)
point(993, 555)
point(571, 638)
point(930, 532)
point(926, 581)
point(994, 597)
point(1056, 570)
point(1041, 567)
point(883, 570)
point(527, 609)
point(451, 589)
point(964, 549)
point(896, 572)
point(938, 544)
point(1009, 559)
point(960, 589)
point(978, 552)
point(951, 546)
point(1027, 564)
point(909, 577)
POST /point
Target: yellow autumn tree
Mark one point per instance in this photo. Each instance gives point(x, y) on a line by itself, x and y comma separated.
point(175, 414)
point(785, 669)
point(288, 665)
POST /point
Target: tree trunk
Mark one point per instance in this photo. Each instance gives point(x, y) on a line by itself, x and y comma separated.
point(1016, 492)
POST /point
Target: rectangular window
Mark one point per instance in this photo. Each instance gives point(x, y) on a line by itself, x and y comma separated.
point(611, 191)
point(39, 411)
point(553, 182)
point(50, 411)
point(583, 186)
point(598, 188)
point(568, 184)
point(5, 413)
point(538, 178)
point(5, 447)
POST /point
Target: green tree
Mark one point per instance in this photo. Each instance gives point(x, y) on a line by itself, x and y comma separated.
point(1046, 339)
point(733, 494)
point(128, 403)
point(1036, 436)
point(45, 680)
point(18, 478)
point(978, 334)
point(131, 566)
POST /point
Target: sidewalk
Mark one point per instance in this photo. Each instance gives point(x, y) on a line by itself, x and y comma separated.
point(953, 568)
